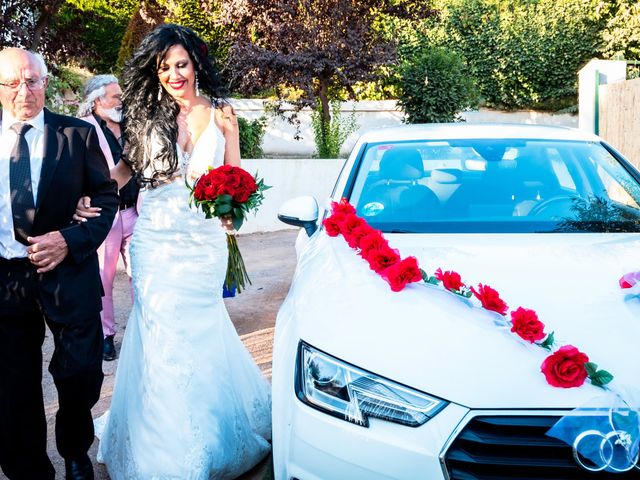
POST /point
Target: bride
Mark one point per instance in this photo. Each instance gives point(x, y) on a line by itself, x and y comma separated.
point(189, 402)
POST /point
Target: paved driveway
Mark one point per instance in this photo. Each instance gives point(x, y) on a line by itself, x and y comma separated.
point(270, 260)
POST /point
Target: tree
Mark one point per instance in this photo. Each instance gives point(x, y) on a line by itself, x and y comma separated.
point(24, 24)
point(313, 47)
point(622, 35)
point(147, 16)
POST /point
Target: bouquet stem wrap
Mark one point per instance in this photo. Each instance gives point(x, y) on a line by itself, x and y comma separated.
point(236, 271)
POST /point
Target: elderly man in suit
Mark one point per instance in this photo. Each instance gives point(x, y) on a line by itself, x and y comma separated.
point(48, 272)
point(102, 107)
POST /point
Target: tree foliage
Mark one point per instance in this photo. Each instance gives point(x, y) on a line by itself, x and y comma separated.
point(26, 24)
point(147, 16)
point(98, 27)
point(524, 53)
point(315, 48)
point(622, 35)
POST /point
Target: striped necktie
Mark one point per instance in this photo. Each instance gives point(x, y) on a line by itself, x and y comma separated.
point(22, 204)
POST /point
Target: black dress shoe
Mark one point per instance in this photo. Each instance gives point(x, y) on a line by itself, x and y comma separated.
point(80, 469)
point(109, 352)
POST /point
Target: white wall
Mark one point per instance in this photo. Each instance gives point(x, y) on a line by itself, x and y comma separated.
point(279, 135)
point(289, 178)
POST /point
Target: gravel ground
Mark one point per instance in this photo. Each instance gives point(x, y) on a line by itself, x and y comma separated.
point(270, 260)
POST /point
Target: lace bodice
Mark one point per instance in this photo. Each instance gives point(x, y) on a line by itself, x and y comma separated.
point(208, 151)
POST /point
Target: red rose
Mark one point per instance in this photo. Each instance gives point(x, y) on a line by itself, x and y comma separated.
point(382, 258)
point(451, 280)
point(222, 190)
point(233, 180)
point(350, 223)
point(241, 194)
point(372, 241)
point(343, 207)
point(628, 280)
point(401, 273)
point(358, 233)
point(490, 299)
point(526, 324)
point(565, 367)
point(332, 224)
point(209, 192)
point(247, 181)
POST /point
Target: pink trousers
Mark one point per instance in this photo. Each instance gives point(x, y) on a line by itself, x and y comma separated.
point(116, 244)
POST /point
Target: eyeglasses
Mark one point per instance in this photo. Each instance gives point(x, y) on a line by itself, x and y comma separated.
point(32, 84)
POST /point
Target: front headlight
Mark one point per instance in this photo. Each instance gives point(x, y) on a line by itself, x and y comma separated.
point(348, 392)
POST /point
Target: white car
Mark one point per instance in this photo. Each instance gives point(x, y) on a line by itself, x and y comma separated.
point(423, 384)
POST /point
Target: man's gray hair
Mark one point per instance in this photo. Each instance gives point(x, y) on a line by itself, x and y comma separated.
point(95, 88)
point(41, 63)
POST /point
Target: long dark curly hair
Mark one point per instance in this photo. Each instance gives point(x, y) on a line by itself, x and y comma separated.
point(148, 121)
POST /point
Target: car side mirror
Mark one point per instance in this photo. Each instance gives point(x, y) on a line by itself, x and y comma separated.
point(300, 212)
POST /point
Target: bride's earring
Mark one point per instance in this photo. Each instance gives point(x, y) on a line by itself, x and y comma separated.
point(197, 86)
point(159, 92)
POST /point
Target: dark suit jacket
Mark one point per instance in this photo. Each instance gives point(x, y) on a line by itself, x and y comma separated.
point(73, 166)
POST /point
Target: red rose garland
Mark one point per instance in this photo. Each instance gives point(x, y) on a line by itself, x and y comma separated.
point(567, 367)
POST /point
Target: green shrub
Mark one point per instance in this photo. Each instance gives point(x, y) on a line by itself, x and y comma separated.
point(65, 90)
point(100, 25)
point(435, 85)
point(622, 35)
point(525, 53)
point(251, 135)
point(330, 136)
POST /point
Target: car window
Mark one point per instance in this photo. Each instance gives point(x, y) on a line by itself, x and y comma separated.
point(495, 186)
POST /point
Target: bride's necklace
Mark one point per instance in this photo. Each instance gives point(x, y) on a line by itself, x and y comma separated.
point(183, 159)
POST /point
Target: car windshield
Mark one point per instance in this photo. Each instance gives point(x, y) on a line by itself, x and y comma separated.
point(485, 186)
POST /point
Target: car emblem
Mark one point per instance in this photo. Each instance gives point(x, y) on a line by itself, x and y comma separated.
point(607, 451)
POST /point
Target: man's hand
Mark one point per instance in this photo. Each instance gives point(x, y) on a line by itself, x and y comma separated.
point(47, 251)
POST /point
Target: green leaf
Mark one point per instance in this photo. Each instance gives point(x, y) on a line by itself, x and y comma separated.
point(548, 342)
point(600, 378)
point(237, 222)
point(433, 281)
point(591, 368)
point(238, 212)
point(425, 276)
point(226, 198)
point(224, 209)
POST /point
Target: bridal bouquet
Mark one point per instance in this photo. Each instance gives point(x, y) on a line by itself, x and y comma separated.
point(229, 191)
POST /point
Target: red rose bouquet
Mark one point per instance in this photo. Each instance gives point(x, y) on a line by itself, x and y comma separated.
point(229, 191)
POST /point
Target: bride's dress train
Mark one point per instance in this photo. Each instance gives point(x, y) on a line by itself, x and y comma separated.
point(189, 401)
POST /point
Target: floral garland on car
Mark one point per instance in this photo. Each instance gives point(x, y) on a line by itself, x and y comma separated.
point(565, 367)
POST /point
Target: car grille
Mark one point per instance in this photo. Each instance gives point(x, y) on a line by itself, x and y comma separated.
point(505, 447)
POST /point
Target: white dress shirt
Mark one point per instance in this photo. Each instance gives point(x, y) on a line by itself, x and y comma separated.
point(9, 246)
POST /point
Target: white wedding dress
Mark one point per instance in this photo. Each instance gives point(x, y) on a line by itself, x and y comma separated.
point(189, 401)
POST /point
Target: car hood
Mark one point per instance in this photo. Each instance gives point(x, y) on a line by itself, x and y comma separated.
point(436, 342)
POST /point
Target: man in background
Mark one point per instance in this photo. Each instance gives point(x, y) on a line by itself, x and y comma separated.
point(102, 107)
